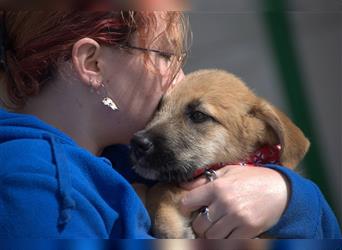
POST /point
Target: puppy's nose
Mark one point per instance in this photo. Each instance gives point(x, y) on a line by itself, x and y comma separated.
point(141, 145)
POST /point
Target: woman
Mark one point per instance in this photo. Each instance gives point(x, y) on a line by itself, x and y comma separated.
point(76, 82)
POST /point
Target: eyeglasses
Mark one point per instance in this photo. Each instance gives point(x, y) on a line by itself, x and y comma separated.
point(168, 56)
point(164, 54)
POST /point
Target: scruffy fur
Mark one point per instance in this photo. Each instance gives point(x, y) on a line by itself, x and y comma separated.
point(236, 124)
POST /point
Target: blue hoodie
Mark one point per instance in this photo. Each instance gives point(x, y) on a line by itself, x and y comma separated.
point(307, 216)
point(53, 188)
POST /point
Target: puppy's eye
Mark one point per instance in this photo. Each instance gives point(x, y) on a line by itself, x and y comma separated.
point(199, 117)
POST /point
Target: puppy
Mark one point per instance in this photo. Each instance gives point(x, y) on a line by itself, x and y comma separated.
point(210, 117)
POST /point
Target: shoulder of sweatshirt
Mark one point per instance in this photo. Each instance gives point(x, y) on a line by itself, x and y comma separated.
point(26, 155)
point(38, 155)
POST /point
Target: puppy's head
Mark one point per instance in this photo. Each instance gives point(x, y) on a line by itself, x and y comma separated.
point(210, 117)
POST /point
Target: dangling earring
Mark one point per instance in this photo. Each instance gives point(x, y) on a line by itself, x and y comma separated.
point(101, 91)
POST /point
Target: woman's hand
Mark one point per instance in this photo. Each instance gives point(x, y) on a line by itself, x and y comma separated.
point(243, 202)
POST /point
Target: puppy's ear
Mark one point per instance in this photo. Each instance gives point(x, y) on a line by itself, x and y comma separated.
point(294, 144)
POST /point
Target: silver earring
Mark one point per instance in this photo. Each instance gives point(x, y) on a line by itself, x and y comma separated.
point(109, 102)
point(106, 100)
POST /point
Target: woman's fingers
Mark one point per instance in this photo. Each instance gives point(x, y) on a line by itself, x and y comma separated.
point(242, 233)
point(203, 180)
point(232, 199)
point(230, 227)
point(221, 229)
point(194, 184)
point(197, 198)
point(201, 224)
point(203, 221)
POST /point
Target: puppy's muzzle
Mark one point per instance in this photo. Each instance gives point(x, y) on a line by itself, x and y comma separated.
point(141, 145)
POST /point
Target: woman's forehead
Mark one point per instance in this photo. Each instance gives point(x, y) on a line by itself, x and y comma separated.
point(158, 35)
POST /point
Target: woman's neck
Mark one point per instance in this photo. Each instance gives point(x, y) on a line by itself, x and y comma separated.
point(66, 113)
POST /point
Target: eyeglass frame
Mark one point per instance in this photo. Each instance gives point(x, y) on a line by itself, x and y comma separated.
point(180, 59)
point(159, 52)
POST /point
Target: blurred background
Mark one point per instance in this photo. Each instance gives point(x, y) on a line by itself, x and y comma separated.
point(289, 52)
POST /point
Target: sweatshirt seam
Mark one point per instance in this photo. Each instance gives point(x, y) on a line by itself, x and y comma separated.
point(95, 207)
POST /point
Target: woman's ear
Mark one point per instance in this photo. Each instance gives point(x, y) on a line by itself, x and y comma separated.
point(294, 144)
point(85, 57)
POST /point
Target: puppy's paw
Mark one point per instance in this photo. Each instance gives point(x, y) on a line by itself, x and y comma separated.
point(167, 220)
point(176, 228)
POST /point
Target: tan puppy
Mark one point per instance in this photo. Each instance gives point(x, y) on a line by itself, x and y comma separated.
point(209, 117)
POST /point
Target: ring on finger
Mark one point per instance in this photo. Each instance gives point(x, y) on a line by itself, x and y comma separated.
point(210, 174)
point(205, 211)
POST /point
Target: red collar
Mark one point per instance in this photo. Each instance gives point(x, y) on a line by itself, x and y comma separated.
point(265, 155)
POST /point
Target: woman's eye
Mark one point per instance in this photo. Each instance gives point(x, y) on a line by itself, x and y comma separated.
point(165, 56)
point(199, 117)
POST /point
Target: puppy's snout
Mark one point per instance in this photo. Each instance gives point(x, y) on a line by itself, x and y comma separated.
point(141, 145)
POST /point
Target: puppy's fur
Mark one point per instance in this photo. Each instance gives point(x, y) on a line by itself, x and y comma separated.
point(209, 117)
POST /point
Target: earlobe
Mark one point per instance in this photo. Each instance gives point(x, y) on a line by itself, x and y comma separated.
point(85, 56)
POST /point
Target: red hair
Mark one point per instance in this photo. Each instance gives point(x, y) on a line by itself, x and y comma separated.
point(39, 40)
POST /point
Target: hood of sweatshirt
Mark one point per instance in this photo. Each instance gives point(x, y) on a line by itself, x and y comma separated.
point(16, 128)
point(36, 151)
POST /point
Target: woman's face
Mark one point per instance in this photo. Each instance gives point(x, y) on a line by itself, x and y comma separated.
point(134, 87)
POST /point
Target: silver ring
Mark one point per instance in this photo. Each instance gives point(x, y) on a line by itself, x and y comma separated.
point(205, 211)
point(243, 164)
point(210, 174)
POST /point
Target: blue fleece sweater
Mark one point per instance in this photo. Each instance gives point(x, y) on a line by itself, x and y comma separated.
point(308, 215)
point(52, 188)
